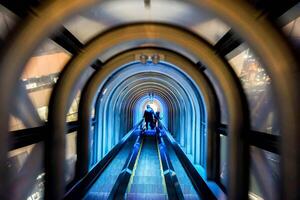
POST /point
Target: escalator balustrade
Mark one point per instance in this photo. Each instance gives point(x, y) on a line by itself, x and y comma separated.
point(147, 178)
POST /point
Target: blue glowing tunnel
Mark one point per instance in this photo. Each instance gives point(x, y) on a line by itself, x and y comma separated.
point(126, 91)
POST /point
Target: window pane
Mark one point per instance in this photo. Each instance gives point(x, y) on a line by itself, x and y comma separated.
point(19, 157)
point(27, 163)
point(223, 160)
point(113, 13)
point(71, 156)
point(257, 86)
point(35, 87)
point(7, 22)
point(264, 171)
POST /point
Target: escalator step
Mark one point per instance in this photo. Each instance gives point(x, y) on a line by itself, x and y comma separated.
point(97, 196)
point(191, 197)
point(147, 188)
point(186, 189)
point(146, 196)
point(147, 180)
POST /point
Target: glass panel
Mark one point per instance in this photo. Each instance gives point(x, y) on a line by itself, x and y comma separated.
point(71, 156)
point(223, 160)
point(29, 157)
point(40, 100)
point(73, 112)
point(38, 190)
point(15, 124)
point(257, 86)
point(7, 22)
point(18, 157)
point(264, 178)
point(292, 29)
point(264, 171)
point(113, 13)
point(35, 87)
point(93, 147)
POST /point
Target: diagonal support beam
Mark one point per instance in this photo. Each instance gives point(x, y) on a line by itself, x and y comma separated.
point(62, 37)
point(270, 8)
point(273, 8)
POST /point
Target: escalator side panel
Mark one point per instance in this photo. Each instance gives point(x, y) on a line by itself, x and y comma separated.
point(104, 184)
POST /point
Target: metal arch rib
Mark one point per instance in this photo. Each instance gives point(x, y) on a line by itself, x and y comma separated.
point(139, 32)
point(287, 91)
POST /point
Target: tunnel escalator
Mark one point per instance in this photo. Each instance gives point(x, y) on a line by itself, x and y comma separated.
point(147, 179)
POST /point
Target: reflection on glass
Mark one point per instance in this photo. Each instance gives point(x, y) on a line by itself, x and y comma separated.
point(73, 112)
point(292, 29)
point(223, 160)
point(264, 171)
point(93, 147)
point(38, 190)
point(71, 156)
point(40, 74)
point(257, 86)
point(18, 158)
point(7, 22)
point(29, 155)
point(15, 124)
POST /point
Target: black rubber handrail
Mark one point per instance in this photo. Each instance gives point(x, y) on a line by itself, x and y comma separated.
point(81, 187)
point(119, 189)
point(198, 182)
point(171, 180)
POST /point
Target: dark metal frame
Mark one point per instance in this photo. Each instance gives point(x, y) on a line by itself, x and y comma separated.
point(261, 140)
point(26, 137)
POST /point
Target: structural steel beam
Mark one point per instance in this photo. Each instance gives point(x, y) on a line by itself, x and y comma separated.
point(62, 37)
point(271, 8)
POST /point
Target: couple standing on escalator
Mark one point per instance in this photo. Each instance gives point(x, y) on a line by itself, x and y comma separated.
point(151, 118)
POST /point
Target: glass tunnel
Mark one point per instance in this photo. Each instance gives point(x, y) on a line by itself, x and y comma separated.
point(153, 99)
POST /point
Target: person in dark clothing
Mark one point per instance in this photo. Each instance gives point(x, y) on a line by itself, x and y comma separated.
point(157, 118)
point(148, 116)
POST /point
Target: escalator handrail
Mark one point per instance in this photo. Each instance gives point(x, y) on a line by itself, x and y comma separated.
point(119, 189)
point(173, 188)
point(82, 186)
point(197, 180)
